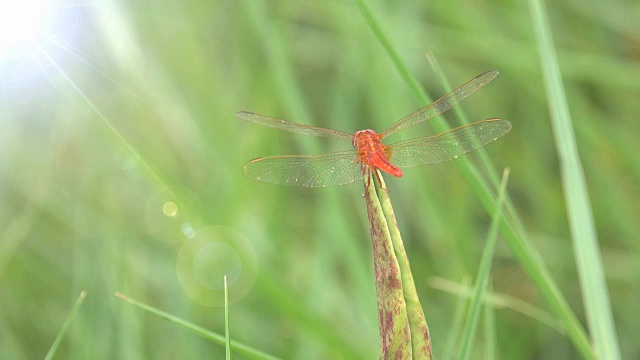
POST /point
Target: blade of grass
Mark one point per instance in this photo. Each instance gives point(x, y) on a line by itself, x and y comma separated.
point(490, 345)
point(458, 319)
point(583, 232)
point(65, 326)
point(227, 332)
point(514, 234)
point(498, 301)
point(473, 317)
point(239, 347)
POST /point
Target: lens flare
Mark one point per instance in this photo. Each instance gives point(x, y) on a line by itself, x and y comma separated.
point(32, 33)
point(20, 22)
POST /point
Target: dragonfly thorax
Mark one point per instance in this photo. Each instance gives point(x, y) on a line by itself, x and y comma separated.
point(372, 153)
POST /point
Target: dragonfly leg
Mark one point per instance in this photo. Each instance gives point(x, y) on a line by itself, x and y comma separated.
point(366, 171)
point(378, 176)
point(366, 174)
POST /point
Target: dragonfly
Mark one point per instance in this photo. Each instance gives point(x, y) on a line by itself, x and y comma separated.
point(370, 154)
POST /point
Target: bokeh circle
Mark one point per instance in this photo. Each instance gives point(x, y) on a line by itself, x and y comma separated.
point(210, 254)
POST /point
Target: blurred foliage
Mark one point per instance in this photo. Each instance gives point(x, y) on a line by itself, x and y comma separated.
point(125, 106)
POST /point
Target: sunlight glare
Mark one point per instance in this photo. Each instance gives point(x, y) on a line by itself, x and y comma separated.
point(20, 22)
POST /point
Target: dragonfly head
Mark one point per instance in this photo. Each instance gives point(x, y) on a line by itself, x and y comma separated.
point(363, 137)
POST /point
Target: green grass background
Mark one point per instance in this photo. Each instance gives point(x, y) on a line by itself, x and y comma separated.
point(139, 108)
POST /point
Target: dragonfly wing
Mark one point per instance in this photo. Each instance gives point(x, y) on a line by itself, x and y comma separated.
point(337, 168)
point(441, 105)
point(293, 127)
point(448, 145)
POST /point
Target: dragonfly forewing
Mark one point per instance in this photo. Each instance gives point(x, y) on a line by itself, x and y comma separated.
point(448, 145)
point(332, 169)
point(293, 127)
point(441, 105)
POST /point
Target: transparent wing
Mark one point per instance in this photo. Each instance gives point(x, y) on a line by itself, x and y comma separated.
point(332, 169)
point(441, 105)
point(293, 127)
point(448, 145)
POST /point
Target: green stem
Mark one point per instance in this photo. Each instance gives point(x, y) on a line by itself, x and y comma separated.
point(400, 313)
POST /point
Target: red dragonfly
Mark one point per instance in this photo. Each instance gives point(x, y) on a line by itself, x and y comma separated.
point(339, 168)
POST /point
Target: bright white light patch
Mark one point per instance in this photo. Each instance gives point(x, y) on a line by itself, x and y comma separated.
point(34, 33)
point(20, 22)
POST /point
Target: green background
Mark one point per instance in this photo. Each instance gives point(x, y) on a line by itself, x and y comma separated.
point(125, 106)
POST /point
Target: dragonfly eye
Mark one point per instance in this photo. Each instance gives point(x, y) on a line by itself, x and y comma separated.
point(356, 138)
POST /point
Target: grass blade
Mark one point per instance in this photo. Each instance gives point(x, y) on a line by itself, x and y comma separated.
point(499, 301)
point(473, 316)
point(240, 348)
point(65, 326)
point(583, 231)
point(227, 332)
point(456, 324)
point(490, 342)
